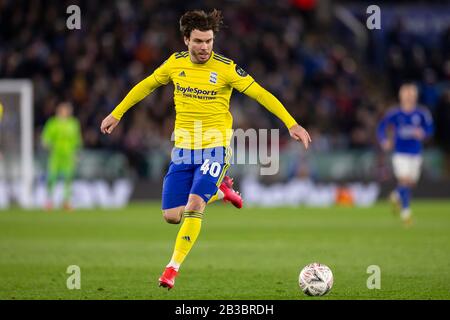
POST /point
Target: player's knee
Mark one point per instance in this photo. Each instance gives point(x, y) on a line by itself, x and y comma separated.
point(195, 203)
point(172, 216)
point(406, 182)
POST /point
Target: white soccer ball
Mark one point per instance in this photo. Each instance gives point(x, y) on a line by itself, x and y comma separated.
point(316, 279)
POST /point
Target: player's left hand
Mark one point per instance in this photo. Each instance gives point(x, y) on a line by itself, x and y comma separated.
point(299, 133)
point(419, 134)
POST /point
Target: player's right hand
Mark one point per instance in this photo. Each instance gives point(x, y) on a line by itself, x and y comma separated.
point(108, 124)
point(386, 145)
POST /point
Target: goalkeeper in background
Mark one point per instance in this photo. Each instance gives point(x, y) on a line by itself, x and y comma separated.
point(62, 137)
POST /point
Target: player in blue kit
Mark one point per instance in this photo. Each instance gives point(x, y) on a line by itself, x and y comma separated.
point(411, 125)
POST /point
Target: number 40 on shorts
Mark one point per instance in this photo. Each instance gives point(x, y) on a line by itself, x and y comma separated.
point(213, 169)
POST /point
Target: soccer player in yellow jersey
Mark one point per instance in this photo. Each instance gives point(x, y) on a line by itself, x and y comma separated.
point(203, 81)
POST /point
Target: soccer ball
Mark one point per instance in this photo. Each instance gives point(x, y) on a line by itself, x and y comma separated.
point(316, 279)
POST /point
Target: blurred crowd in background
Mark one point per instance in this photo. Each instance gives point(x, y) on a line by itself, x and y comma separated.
point(335, 89)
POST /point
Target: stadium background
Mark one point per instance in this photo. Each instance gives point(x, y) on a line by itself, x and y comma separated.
point(337, 78)
point(332, 73)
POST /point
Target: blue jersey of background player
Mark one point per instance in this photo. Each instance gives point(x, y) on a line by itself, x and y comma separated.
point(411, 125)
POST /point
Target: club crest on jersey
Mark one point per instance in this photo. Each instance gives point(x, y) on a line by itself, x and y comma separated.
point(213, 77)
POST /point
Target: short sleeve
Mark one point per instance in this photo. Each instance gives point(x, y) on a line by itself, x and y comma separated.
point(239, 79)
point(162, 73)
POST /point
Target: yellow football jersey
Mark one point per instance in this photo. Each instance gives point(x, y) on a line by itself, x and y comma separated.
point(202, 98)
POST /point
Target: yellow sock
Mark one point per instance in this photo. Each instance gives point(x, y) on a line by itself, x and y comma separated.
point(219, 195)
point(186, 237)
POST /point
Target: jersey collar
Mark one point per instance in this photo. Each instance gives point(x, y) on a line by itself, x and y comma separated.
point(408, 112)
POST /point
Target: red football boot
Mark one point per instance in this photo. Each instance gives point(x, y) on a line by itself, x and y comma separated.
point(167, 280)
point(230, 195)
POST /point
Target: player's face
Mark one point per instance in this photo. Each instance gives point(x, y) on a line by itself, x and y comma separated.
point(408, 97)
point(64, 110)
point(200, 45)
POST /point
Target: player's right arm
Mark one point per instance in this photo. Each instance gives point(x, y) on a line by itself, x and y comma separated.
point(385, 142)
point(47, 133)
point(159, 77)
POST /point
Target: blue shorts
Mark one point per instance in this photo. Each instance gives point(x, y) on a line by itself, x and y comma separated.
point(197, 172)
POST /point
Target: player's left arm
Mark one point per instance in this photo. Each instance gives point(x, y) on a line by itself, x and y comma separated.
point(427, 124)
point(78, 136)
point(244, 83)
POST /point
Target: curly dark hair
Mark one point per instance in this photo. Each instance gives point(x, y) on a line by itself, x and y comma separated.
point(200, 20)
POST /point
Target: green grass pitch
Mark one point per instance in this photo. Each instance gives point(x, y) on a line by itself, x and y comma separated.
point(253, 253)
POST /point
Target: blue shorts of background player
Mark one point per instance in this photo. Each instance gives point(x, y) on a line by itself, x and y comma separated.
point(198, 171)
